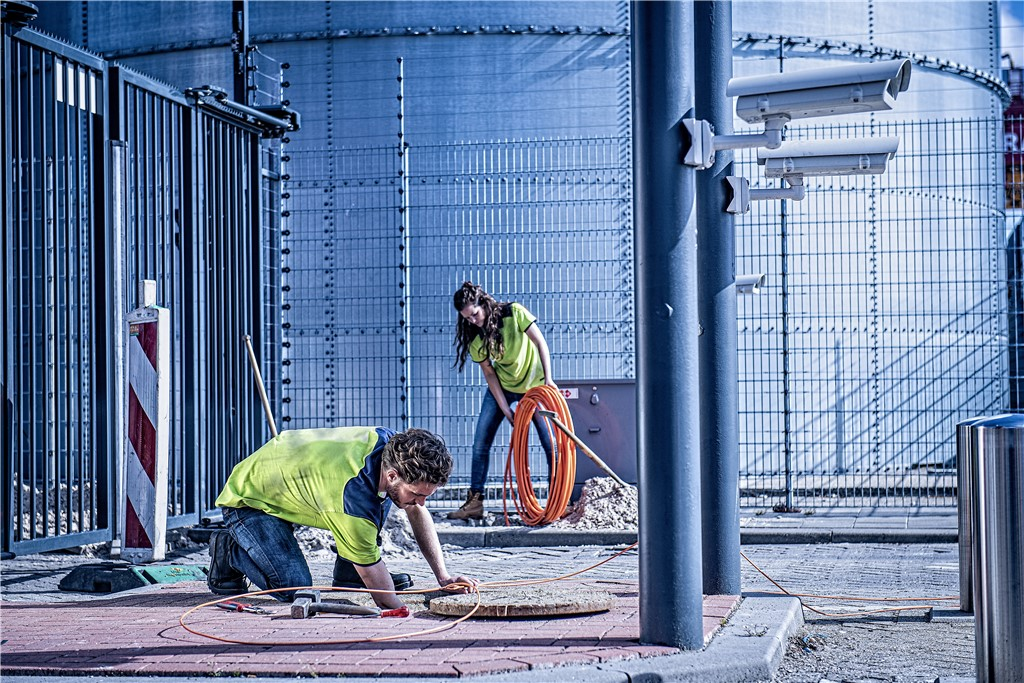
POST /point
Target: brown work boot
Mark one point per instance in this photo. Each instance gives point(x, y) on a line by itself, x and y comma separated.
point(473, 508)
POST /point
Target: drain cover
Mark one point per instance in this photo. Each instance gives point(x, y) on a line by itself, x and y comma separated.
point(173, 573)
point(524, 601)
point(114, 577)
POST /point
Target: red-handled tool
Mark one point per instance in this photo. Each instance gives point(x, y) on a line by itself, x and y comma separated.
point(235, 606)
point(402, 611)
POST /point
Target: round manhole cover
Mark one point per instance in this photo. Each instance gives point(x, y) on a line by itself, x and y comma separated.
point(524, 601)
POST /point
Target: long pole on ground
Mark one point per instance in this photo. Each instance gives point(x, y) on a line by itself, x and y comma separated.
point(668, 424)
point(716, 274)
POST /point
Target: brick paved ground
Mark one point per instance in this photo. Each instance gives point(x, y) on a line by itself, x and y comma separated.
point(905, 647)
point(138, 633)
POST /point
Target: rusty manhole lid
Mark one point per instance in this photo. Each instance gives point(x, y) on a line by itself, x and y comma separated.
point(524, 601)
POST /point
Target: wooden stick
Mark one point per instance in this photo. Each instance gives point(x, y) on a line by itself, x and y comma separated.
point(589, 453)
point(259, 385)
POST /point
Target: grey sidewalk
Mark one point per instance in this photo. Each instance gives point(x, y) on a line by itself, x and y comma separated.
point(757, 526)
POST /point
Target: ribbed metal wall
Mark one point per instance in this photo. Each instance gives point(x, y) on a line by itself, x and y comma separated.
point(494, 152)
point(491, 141)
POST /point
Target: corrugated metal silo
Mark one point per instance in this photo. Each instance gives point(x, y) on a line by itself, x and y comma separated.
point(491, 141)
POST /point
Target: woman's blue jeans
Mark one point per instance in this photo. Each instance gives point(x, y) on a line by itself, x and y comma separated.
point(487, 425)
point(266, 551)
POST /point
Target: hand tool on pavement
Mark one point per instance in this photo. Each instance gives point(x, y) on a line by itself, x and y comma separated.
point(235, 606)
point(589, 453)
point(307, 604)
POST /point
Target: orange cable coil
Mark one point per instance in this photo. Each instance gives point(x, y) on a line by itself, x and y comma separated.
point(563, 477)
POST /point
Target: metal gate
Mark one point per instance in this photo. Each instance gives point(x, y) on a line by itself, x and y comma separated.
point(111, 177)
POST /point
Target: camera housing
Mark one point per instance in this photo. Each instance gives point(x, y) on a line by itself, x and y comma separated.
point(750, 283)
point(830, 91)
point(857, 156)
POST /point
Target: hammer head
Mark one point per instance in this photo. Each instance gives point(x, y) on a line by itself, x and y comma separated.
point(304, 604)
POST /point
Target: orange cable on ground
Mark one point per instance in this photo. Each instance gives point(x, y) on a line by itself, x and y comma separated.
point(562, 478)
point(846, 615)
point(378, 639)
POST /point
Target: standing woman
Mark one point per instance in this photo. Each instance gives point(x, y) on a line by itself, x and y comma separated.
point(501, 336)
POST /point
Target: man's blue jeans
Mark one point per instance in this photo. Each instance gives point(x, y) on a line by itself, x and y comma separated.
point(487, 425)
point(266, 551)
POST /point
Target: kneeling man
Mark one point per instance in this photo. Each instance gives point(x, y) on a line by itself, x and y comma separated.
point(342, 479)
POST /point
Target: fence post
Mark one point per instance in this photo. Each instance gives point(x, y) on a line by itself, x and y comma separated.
point(144, 526)
point(115, 257)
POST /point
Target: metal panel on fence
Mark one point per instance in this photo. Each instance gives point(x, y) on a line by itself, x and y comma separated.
point(228, 304)
point(368, 291)
point(150, 120)
point(54, 381)
point(114, 177)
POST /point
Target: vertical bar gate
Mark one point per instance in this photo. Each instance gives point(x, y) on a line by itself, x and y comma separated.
point(111, 177)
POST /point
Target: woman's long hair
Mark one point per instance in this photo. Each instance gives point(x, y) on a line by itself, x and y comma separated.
point(465, 332)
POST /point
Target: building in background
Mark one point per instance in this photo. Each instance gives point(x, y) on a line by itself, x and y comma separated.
point(444, 141)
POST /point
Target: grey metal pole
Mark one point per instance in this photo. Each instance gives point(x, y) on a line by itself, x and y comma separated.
point(240, 49)
point(668, 437)
point(965, 515)
point(997, 473)
point(117, 309)
point(716, 275)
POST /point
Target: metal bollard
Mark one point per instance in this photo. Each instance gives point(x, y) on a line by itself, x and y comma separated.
point(997, 473)
point(964, 500)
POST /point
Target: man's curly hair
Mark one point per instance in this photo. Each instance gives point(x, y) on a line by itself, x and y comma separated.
point(418, 456)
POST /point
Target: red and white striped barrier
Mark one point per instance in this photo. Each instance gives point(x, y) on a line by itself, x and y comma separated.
point(144, 510)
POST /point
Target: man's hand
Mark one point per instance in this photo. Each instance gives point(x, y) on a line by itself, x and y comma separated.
point(376, 576)
point(459, 584)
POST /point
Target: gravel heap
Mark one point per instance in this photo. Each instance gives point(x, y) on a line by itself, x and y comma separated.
point(603, 504)
point(397, 539)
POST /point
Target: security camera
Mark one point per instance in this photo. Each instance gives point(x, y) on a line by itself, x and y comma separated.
point(750, 283)
point(858, 156)
point(778, 98)
point(831, 91)
point(740, 195)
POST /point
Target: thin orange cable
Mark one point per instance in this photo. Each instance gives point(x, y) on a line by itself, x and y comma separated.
point(399, 636)
point(799, 596)
point(343, 641)
point(562, 478)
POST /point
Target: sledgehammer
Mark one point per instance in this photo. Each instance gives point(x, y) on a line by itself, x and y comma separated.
point(589, 453)
point(307, 604)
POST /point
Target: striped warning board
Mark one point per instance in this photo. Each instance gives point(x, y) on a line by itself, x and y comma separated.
point(144, 520)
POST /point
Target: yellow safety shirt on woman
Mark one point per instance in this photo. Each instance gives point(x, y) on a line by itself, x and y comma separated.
point(519, 368)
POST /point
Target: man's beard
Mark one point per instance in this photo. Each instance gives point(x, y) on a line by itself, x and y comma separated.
point(391, 491)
